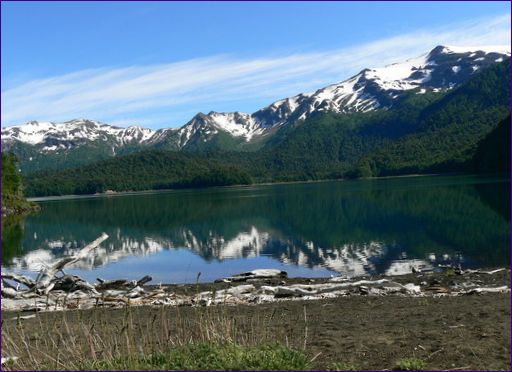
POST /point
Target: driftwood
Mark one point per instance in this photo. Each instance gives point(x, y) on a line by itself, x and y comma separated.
point(22, 279)
point(492, 272)
point(52, 292)
point(254, 274)
point(121, 283)
point(71, 283)
point(45, 281)
point(502, 289)
point(363, 286)
point(9, 292)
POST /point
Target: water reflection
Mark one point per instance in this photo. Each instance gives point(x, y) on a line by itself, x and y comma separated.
point(354, 228)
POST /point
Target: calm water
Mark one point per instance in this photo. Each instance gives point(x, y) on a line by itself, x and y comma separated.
point(315, 229)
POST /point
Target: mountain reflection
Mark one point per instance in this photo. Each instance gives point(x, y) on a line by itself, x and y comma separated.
point(354, 228)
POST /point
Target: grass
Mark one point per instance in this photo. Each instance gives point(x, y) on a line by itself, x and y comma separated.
point(151, 338)
point(410, 364)
point(206, 356)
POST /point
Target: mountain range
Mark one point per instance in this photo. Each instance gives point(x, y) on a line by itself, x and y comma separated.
point(359, 123)
point(441, 69)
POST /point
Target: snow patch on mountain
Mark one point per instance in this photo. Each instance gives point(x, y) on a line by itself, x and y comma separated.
point(399, 76)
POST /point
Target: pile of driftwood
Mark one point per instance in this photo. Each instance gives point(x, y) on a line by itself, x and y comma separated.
point(53, 289)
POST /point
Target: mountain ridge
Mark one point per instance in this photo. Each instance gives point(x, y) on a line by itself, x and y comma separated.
point(441, 69)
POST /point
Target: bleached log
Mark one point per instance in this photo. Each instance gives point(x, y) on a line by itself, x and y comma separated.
point(502, 289)
point(255, 274)
point(478, 271)
point(492, 272)
point(22, 279)
point(314, 289)
point(135, 292)
point(9, 292)
point(44, 280)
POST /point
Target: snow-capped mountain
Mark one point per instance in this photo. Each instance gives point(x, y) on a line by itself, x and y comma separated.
point(441, 69)
point(60, 136)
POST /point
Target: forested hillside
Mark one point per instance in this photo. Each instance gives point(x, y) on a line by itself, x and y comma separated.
point(143, 171)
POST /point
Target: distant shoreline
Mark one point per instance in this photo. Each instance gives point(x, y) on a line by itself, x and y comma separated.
point(150, 191)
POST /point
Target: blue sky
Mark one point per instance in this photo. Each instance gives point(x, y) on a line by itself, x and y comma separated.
point(156, 64)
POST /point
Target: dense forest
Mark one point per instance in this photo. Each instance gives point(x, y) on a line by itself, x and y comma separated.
point(456, 131)
point(142, 171)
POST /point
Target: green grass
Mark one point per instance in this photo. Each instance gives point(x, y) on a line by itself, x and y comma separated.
point(410, 364)
point(208, 356)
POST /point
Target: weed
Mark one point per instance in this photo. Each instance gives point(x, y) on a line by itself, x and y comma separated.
point(410, 364)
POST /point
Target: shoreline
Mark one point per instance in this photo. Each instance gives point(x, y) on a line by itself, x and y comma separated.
point(251, 288)
point(241, 187)
point(361, 329)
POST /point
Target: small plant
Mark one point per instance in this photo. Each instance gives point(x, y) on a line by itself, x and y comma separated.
point(410, 364)
point(341, 366)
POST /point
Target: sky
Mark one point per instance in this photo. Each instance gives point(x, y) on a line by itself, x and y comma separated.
point(157, 64)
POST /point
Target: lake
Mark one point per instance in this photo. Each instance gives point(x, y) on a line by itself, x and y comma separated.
point(359, 227)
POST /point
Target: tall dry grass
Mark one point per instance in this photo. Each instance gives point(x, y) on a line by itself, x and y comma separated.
point(75, 340)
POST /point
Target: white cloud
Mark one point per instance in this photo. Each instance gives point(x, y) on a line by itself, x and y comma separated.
point(154, 93)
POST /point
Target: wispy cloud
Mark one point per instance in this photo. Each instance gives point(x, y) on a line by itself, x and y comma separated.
point(167, 94)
